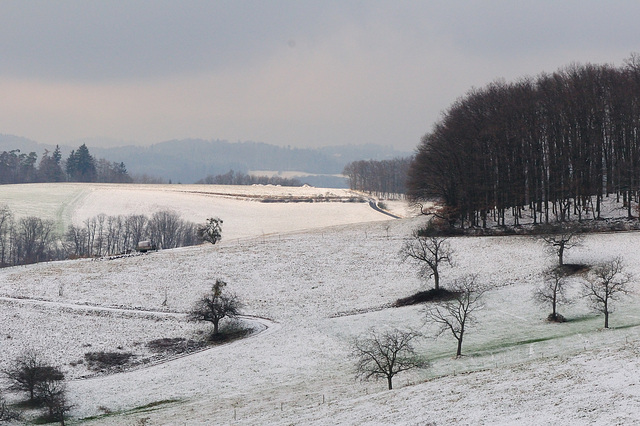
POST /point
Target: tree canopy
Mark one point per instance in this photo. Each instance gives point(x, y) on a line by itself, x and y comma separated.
point(555, 145)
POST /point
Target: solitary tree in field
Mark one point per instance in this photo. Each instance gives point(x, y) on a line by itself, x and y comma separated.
point(562, 238)
point(211, 231)
point(553, 291)
point(606, 284)
point(456, 315)
point(29, 371)
point(429, 252)
point(385, 354)
point(216, 305)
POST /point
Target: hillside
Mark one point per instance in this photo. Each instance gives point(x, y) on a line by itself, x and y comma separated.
point(320, 288)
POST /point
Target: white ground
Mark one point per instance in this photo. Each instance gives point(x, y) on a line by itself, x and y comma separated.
point(321, 288)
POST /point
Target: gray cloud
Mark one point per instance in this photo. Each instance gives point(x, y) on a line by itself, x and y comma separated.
point(298, 73)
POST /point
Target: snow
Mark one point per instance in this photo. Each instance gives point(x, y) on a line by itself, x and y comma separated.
point(321, 286)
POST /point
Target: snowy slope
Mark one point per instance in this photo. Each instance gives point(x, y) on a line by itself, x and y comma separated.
point(322, 288)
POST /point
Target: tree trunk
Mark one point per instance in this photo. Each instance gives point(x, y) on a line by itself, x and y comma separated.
point(459, 351)
point(389, 378)
point(561, 254)
point(436, 279)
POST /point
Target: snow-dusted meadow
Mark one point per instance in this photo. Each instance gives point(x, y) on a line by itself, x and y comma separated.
point(319, 282)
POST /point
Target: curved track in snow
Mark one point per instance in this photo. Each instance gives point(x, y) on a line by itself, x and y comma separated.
point(269, 326)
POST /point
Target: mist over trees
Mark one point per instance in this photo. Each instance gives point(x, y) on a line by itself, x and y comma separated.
point(554, 146)
point(383, 179)
point(239, 178)
point(80, 166)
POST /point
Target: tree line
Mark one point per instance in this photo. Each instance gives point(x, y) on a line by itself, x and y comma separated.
point(554, 146)
point(31, 239)
point(384, 179)
point(239, 178)
point(80, 166)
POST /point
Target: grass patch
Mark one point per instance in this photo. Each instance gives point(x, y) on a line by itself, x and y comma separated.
point(155, 404)
point(583, 318)
point(141, 409)
point(432, 295)
point(622, 327)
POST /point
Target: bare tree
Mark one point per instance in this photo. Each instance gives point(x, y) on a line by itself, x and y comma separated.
point(28, 371)
point(6, 223)
point(385, 354)
point(211, 231)
point(553, 291)
point(429, 252)
point(53, 394)
point(456, 315)
point(562, 238)
point(216, 305)
point(607, 282)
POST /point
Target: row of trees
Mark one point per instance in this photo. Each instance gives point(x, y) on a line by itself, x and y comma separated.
point(32, 239)
point(80, 166)
point(239, 178)
point(106, 235)
point(555, 145)
point(384, 179)
point(387, 353)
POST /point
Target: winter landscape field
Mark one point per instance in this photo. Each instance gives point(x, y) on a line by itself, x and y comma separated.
point(313, 276)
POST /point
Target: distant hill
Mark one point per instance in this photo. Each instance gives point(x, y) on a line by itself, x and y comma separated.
point(189, 160)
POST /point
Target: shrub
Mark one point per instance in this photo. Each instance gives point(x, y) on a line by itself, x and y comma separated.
point(105, 360)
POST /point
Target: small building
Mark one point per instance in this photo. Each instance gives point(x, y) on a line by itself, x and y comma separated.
point(144, 246)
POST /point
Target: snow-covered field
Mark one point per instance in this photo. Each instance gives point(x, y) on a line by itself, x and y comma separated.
point(320, 287)
point(247, 211)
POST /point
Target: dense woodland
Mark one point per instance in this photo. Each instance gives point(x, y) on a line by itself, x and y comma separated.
point(384, 179)
point(32, 239)
point(239, 178)
point(551, 147)
point(80, 166)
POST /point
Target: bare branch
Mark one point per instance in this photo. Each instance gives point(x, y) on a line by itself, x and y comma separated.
point(383, 355)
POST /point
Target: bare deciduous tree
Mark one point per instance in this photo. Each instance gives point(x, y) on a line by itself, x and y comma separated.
point(456, 315)
point(429, 252)
point(553, 291)
point(53, 394)
point(385, 354)
point(607, 282)
point(28, 371)
point(216, 305)
point(562, 238)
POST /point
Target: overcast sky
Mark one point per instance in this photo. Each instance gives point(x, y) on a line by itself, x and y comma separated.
point(299, 73)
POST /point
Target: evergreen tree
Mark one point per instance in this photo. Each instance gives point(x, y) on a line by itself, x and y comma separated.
point(81, 166)
point(49, 169)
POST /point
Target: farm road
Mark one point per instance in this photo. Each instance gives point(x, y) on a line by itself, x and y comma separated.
point(269, 326)
point(374, 205)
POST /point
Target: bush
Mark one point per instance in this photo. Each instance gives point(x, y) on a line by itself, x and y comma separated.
point(230, 332)
point(556, 318)
point(175, 345)
point(431, 295)
point(106, 360)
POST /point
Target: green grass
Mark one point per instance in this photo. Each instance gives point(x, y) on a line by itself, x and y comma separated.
point(147, 408)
